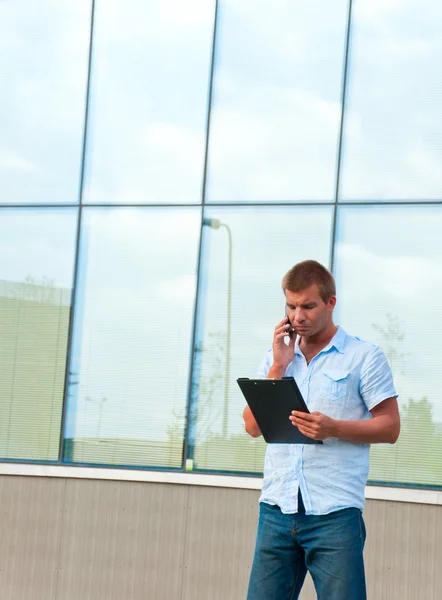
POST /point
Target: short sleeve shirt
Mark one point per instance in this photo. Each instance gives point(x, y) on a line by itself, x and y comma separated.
point(346, 380)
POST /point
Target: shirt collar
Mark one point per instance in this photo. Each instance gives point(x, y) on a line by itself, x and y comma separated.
point(337, 341)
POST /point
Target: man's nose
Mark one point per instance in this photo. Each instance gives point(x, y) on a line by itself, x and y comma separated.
point(299, 316)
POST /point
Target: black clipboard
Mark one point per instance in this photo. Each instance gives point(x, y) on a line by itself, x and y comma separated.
point(271, 402)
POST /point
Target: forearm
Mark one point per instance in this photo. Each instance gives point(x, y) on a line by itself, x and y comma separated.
point(276, 371)
point(381, 429)
point(250, 424)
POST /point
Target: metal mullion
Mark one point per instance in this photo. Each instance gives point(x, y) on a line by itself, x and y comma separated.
point(38, 206)
point(138, 205)
point(270, 203)
point(188, 424)
point(77, 242)
point(402, 203)
point(341, 134)
point(286, 203)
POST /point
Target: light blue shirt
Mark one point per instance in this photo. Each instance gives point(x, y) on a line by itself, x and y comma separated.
point(346, 380)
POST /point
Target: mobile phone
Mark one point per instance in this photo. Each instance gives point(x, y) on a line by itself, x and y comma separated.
point(291, 330)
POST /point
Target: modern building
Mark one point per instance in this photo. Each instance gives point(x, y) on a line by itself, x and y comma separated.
point(162, 164)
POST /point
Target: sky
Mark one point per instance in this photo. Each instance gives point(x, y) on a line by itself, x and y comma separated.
point(43, 72)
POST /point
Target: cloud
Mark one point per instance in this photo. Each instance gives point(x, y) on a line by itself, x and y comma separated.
point(39, 243)
point(274, 144)
point(14, 162)
point(276, 104)
point(378, 10)
point(393, 120)
point(158, 21)
point(177, 289)
point(45, 75)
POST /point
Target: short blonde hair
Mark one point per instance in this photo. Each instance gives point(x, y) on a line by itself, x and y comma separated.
point(309, 272)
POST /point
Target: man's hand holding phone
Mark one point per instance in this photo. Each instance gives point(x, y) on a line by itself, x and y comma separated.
point(282, 353)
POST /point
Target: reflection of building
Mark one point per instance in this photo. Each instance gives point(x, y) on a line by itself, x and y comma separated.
point(34, 321)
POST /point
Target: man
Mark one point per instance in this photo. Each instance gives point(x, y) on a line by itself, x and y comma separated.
point(313, 494)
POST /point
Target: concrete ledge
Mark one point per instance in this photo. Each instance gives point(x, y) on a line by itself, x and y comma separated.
point(393, 494)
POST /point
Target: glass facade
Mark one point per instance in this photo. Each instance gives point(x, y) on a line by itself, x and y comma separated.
point(162, 164)
point(44, 49)
point(37, 253)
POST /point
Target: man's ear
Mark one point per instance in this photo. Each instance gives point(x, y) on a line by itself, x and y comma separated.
point(332, 302)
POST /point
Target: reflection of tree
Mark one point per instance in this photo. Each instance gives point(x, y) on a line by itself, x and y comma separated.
point(32, 290)
point(415, 456)
point(413, 459)
point(206, 396)
point(392, 335)
point(209, 385)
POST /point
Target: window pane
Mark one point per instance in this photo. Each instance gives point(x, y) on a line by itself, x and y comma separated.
point(393, 123)
point(36, 269)
point(43, 71)
point(265, 243)
point(132, 339)
point(150, 79)
point(276, 100)
point(389, 290)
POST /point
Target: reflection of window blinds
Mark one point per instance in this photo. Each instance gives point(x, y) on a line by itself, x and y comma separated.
point(132, 337)
point(236, 451)
point(126, 452)
point(415, 458)
point(34, 321)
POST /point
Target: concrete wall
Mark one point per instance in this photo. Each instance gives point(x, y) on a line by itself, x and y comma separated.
point(80, 539)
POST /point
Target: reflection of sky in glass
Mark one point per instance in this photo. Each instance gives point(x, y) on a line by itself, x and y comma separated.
point(276, 100)
point(388, 263)
point(149, 90)
point(393, 122)
point(38, 243)
point(133, 322)
point(266, 242)
point(43, 66)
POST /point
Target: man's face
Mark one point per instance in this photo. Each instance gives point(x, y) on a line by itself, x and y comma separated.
point(307, 311)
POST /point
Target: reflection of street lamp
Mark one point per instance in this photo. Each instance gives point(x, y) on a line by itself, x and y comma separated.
point(216, 224)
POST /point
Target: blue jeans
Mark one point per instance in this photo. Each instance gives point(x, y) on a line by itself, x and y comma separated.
point(328, 546)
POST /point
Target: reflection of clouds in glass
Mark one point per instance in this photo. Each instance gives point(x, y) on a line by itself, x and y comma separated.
point(390, 273)
point(161, 20)
point(180, 288)
point(377, 10)
point(148, 101)
point(167, 156)
point(393, 122)
point(14, 162)
point(133, 339)
point(381, 270)
point(38, 243)
point(276, 108)
point(43, 67)
point(276, 158)
point(189, 13)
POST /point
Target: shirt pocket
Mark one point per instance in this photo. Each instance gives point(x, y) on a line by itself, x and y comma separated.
point(335, 386)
